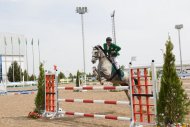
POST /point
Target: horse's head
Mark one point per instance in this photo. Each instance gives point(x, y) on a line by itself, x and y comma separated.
point(97, 53)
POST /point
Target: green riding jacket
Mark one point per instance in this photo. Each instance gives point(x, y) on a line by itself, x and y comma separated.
point(113, 48)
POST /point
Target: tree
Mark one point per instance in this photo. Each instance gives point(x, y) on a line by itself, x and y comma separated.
point(40, 97)
point(78, 78)
point(25, 75)
point(71, 77)
point(17, 70)
point(173, 103)
point(61, 75)
point(32, 77)
point(89, 75)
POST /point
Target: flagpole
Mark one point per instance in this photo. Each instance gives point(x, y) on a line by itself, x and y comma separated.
point(27, 59)
point(19, 59)
point(13, 60)
point(5, 61)
point(39, 51)
point(33, 57)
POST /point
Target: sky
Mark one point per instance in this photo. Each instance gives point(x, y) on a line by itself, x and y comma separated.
point(142, 28)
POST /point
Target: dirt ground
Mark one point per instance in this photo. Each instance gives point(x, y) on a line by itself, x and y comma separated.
point(15, 108)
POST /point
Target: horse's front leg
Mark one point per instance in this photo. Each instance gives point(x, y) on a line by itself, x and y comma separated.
point(95, 72)
point(102, 80)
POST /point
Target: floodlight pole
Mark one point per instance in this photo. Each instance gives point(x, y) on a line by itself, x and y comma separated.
point(82, 11)
point(179, 27)
point(113, 27)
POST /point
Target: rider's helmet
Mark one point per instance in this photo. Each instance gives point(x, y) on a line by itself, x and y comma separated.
point(108, 39)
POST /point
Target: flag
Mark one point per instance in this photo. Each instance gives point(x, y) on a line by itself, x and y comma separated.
point(32, 42)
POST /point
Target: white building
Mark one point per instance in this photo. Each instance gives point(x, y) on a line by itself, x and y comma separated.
point(186, 68)
point(12, 48)
point(5, 63)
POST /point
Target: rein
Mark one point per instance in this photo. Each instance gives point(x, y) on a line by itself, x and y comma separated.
point(97, 48)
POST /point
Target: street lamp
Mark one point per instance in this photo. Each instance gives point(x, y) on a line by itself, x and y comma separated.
point(178, 27)
point(81, 11)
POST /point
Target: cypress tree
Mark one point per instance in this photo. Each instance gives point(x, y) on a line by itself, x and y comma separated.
point(17, 70)
point(173, 103)
point(25, 75)
point(78, 79)
point(61, 75)
point(40, 97)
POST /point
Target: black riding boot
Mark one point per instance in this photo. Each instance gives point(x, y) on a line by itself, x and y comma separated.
point(120, 74)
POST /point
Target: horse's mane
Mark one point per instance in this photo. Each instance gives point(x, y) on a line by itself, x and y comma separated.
point(100, 47)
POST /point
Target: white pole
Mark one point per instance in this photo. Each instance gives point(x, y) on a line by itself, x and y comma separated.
point(155, 90)
point(131, 96)
point(13, 60)
point(39, 51)
point(20, 60)
point(82, 22)
point(113, 27)
point(81, 11)
point(5, 64)
point(179, 27)
point(26, 60)
point(33, 57)
point(57, 92)
point(180, 51)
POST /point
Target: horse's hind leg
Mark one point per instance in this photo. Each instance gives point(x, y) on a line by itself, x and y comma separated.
point(137, 87)
point(128, 95)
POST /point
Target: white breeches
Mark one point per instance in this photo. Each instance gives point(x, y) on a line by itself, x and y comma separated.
point(115, 61)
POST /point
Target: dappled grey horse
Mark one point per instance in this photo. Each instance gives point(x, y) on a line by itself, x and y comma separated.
point(106, 70)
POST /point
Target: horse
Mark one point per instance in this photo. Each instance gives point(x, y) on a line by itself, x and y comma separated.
point(106, 70)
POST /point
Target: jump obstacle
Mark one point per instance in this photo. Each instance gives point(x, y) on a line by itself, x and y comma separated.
point(143, 97)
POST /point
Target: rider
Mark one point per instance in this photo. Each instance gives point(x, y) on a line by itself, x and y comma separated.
point(112, 50)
